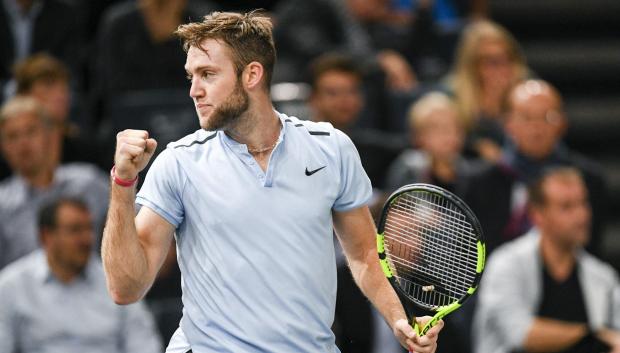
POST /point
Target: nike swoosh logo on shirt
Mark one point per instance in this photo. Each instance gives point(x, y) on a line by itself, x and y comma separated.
point(310, 172)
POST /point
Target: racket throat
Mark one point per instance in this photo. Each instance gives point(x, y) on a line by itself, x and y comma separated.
point(415, 326)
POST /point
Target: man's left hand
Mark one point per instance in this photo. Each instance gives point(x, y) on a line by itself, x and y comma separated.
point(408, 338)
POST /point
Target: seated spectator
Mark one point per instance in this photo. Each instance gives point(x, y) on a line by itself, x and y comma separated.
point(337, 98)
point(25, 139)
point(435, 29)
point(33, 26)
point(437, 133)
point(47, 80)
point(535, 124)
point(305, 30)
point(55, 299)
point(137, 49)
point(138, 61)
point(436, 136)
point(489, 61)
point(543, 292)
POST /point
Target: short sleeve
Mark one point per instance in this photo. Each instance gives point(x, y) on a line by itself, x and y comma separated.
point(355, 188)
point(163, 188)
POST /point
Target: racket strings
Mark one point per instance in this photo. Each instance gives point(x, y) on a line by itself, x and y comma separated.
point(407, 243)
point(432, 248)
point(453, 218)
point(455, 286)
point(441, 256)
point(404, 227)
point(467, 249)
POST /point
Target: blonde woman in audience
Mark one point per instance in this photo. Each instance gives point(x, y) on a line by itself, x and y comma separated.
point(437, 136)
point(489, 61)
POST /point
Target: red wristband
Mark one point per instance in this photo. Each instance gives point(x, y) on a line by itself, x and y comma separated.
point(122, 182)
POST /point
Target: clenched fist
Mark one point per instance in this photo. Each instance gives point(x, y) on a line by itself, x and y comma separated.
point(134, 149)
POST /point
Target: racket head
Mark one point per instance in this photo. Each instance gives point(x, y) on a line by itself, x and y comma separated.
point(431, 247)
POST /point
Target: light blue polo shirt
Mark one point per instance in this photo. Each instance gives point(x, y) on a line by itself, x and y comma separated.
point(255, 249)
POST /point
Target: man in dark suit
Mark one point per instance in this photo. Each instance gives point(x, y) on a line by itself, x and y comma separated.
point(535, 124)
point(32, 26)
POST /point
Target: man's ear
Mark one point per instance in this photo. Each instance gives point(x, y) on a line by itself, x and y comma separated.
point(563, 124)
point(252, 75)
point(44, 236)
point(536, 215)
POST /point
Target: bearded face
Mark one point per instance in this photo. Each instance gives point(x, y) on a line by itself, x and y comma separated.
point(229, 111)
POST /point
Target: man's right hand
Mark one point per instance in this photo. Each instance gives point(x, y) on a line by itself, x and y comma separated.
point(134, 149)
point(611, 337)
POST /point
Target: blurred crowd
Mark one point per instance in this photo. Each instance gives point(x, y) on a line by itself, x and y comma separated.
point(430, 91)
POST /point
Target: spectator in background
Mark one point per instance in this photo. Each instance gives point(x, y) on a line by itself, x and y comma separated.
point(543, 292)
point(138, 64)
point(489, 61)
point(304, 30)
point(25, 139)
point(32, 26)
point(435, 28)
point(55, 299)
point(337, 98)
point(47, 80)
point(535, 123)
point(137, 49)
point(436, 136)
point(307, 29)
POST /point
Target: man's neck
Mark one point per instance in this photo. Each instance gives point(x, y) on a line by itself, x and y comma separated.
point(559, 261)
point(41, 179)
point(259, 127)
point(25, 5)
point(444, 169)
point(63, 273)
point(259, 130)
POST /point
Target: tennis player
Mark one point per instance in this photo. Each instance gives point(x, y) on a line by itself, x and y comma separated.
point(252, 197)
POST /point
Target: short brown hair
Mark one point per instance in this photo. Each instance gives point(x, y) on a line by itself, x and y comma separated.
point(333, 62)
point(38, 68)
point(536, 190)
point(48, 212)
point(248, 35)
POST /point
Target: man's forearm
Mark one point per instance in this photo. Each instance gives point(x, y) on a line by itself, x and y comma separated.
point(124, 258)
point(372, 282)
point(547, 335)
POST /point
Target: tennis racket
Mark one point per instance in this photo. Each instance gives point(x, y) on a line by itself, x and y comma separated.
point(431, 250)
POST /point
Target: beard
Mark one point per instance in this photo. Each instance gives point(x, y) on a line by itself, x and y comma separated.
point(230, 111)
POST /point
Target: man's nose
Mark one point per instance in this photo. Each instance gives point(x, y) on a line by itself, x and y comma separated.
point(196, 90)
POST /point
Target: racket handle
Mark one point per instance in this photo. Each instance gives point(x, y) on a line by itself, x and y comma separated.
point(417, 330)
